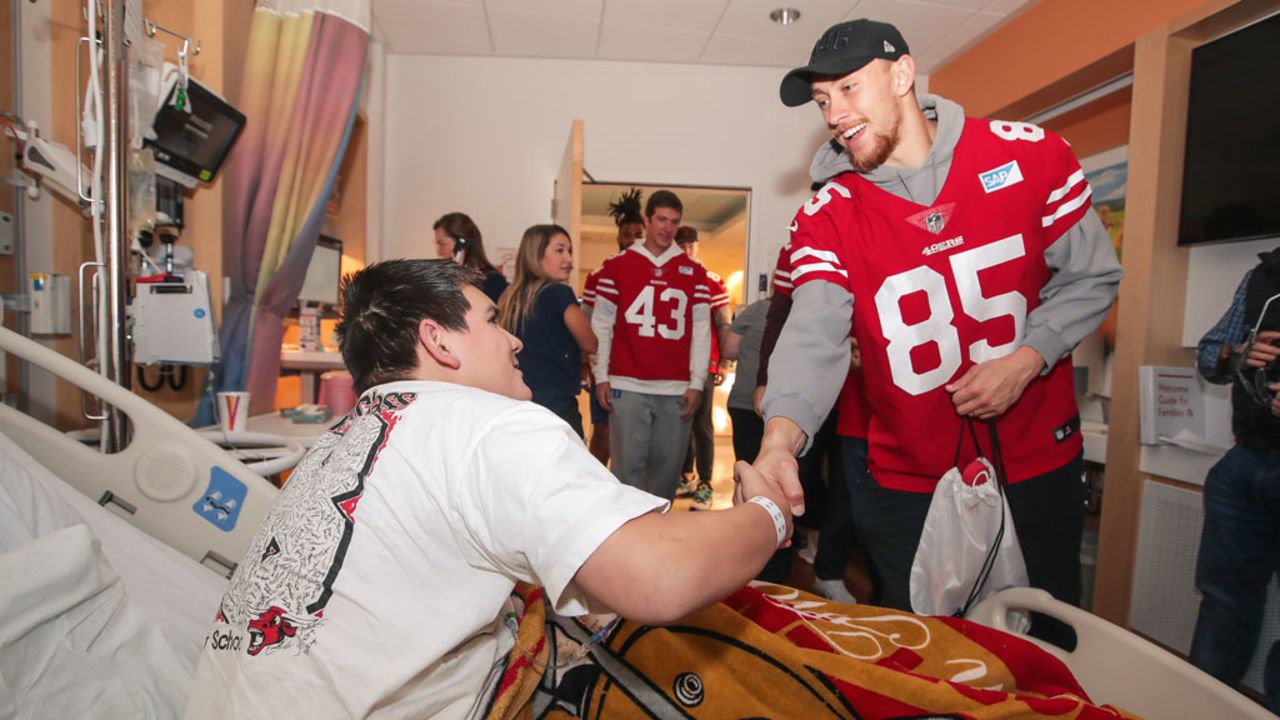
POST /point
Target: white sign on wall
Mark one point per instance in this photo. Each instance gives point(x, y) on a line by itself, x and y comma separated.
point(1172, 404)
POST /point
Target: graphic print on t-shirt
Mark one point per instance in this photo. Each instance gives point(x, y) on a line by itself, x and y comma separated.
point(277, 597)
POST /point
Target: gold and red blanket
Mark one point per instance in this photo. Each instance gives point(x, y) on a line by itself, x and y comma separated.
point(776, 652)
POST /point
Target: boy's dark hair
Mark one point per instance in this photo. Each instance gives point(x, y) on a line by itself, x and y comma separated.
point(663, 199)
point(382, 306)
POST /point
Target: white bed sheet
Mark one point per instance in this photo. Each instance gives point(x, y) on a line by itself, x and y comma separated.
point(155, 614)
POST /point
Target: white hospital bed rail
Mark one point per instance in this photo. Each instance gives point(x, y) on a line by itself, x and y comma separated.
point(169, 482)
point(1118, 667)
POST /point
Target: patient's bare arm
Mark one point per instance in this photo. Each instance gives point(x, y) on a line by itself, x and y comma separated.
point(659, 568)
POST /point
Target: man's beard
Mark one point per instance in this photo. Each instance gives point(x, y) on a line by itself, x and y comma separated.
point(880, 151)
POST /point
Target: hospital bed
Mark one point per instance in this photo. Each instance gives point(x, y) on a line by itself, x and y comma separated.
point(120, 561)
point(168, 482)
point(1118, 667)
point(113, 565)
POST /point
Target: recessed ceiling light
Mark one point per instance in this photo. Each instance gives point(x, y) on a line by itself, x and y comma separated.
point(785, 16)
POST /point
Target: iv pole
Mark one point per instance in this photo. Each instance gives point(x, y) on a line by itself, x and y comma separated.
point(116, 133)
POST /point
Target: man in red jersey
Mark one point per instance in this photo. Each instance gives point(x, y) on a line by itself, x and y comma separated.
point(702, 446)
point(653, 321)
point(963, 257)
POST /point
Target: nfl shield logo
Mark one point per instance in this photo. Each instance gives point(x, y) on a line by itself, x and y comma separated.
point(657, 272)
point(934, 223)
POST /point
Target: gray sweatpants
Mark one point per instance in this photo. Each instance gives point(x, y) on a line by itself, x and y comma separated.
point(648, 439)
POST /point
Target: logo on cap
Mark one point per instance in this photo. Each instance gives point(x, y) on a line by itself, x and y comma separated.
point(887, 47)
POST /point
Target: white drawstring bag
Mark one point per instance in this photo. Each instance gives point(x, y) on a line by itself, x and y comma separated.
point(969, 547)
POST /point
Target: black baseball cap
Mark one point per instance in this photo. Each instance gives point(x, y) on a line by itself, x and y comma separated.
point(841, 50)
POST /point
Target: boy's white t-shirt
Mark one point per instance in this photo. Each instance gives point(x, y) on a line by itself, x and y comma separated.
point(377, 583)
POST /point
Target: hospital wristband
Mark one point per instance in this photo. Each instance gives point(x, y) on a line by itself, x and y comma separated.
point(775, 512)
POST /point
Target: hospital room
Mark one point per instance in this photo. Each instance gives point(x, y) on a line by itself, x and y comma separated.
point(639, 358)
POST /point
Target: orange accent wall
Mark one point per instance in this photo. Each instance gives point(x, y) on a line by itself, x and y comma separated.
point(1100, 125)
point(1047, 45)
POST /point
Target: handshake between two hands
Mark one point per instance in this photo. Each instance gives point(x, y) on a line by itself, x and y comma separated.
point(783, 488)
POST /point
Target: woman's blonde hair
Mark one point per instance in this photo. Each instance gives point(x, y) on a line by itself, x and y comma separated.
point(516, 304)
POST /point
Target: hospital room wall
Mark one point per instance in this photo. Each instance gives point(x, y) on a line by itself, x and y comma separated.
point(222, 29)
point(1151, 38)
point(486, 136)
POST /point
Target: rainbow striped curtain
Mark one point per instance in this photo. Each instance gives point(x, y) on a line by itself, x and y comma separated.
point(301, 89)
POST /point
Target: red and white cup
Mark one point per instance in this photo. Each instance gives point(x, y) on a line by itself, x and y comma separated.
point(233, 411)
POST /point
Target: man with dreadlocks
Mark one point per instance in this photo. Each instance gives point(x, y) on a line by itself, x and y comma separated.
point(626, 215)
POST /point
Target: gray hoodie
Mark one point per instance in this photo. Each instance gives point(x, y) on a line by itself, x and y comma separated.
point(1085, 275)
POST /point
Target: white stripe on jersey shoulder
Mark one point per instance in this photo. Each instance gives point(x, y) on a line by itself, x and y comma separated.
point(1067, 207)
point(1076, 178)
point(605, 281)
point(782, 283)
point(805, 252)
point(807, 268)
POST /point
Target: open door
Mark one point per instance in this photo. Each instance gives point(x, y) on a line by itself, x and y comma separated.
point(566, 206)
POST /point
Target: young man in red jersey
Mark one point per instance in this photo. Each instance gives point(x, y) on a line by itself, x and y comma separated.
point(653, 321)
point(963, 257)
point(702, 446)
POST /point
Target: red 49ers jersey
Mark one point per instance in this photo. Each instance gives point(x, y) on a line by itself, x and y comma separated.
point(719, 299)
point(939, 289)
point(653, 329)
point(589, 289)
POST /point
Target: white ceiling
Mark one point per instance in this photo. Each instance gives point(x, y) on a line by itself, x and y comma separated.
point(712, 32)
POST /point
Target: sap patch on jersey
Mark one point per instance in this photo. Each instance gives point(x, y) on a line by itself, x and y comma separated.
point(1001, 177)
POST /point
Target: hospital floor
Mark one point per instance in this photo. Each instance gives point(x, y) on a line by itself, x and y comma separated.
point(856, 577)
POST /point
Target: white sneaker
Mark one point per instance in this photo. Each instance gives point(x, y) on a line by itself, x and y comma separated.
point(835, 590)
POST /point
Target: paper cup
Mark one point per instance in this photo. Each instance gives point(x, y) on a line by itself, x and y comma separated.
point(233, 411)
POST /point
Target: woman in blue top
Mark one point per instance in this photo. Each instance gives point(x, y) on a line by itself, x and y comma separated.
point(542, 311)
point(458, 238)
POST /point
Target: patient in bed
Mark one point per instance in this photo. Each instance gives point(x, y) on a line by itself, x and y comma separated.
point(382, 581)
point(436, 555)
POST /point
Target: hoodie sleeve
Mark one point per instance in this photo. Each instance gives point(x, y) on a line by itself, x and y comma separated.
point(815, 337)
point(1084, 270)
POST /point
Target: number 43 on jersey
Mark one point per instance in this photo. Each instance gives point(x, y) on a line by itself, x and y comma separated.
point(671, 304)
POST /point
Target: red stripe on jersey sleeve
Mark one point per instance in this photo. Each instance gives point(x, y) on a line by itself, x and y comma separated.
point(782, 272)
point(589, 288)
point(719, 293)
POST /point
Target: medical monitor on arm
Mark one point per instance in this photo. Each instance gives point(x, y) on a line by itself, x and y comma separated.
point(323, 274)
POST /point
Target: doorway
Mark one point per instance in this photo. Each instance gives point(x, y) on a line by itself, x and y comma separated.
point(720, 215)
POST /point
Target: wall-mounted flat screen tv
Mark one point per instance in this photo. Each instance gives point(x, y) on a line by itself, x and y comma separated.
point(1231, 181)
